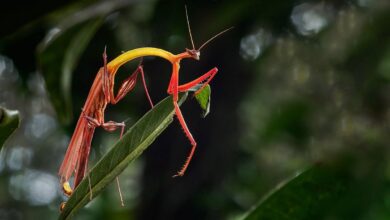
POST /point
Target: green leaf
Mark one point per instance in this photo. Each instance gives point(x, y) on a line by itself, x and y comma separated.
point(204, 98)
point(309, 195)
point(9, 121)
point(127, 149)
point(58, 57)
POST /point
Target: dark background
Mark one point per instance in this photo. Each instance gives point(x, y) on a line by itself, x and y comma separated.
point(299, 83)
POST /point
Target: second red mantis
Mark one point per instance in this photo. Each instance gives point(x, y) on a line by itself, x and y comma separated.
point(102, 93)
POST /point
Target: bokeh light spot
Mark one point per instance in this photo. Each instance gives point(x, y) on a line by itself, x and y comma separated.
point(253, 45)
point(35, 187)
point(309, 19)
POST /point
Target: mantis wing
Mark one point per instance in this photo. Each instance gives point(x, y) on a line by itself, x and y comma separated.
point(72, 153)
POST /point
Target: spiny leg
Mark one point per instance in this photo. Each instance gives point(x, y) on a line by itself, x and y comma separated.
point(189, 136)
point(174, 90)
point(209, 76)
point(181, 88)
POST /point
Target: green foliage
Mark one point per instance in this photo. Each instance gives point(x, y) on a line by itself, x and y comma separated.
point(58, 57)
point(130, 147)
point(296, 100)
point(9, 121)
point(204, 99)
point(308, 195)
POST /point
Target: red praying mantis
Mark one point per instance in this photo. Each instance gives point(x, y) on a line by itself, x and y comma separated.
point(102, 93)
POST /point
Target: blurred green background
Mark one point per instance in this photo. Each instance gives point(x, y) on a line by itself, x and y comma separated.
point(300, 84)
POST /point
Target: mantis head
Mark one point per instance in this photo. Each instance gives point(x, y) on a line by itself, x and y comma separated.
point(195, 54)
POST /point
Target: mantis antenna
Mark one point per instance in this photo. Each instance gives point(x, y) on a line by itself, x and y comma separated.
point(208, 41)
point(215, 36)
point(189, 28)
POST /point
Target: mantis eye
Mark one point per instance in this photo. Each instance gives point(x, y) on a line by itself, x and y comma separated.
point(194, 53)
point(197, 55)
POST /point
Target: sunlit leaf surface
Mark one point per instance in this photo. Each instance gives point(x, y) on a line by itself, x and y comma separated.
point(9, 121)
point(132, 144)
